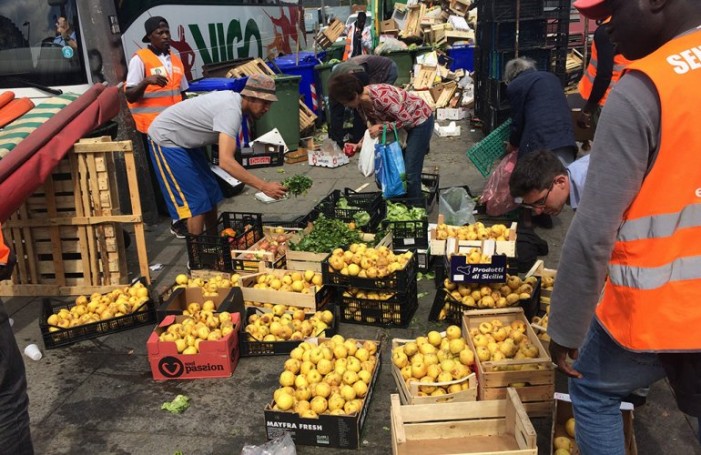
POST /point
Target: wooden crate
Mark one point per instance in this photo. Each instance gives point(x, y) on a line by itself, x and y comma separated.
point(306, 117)
point(479, 427)
point(68, 234)
point(255, 66)
point(412, 26)
point(539, 269)
point(410, 394)
point(327, 37)
point(537, 384)
point(424, 78)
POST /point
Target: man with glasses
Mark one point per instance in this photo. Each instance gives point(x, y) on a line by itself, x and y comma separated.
point(544, 185)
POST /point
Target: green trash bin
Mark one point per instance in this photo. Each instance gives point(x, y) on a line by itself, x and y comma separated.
point(335, 51)
point(279, 116)
point(323, 73)
point(404, 60)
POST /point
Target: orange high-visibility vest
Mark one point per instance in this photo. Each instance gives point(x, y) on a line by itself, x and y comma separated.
point(587, 82)
point(4, 250)
point(156, 99)
point(651, 297)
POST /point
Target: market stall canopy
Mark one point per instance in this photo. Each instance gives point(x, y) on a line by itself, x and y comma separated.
point(26, 167)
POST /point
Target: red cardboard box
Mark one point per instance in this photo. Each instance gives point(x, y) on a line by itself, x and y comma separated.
point(216, 359)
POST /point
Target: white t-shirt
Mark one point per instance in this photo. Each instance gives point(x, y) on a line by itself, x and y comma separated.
point(137, 71)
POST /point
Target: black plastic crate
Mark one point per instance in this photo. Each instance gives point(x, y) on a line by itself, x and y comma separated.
point(395, 282)
point(212, 251)
point(496, 60)
point(372, 203)
point(251, 348)
point(144, 315)
point(396, 311)
point(408, 234)
point(501, 36)
point(455, 309)
point(505, 10)
point(496, 94)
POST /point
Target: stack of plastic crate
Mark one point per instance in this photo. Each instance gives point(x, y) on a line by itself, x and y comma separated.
point(506, 29)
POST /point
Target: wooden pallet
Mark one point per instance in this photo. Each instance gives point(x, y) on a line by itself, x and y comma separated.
point(329, 36)
point(68, 235)
point(255, 66)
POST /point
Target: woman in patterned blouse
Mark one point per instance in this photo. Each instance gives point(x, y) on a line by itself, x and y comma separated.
point(383, 104)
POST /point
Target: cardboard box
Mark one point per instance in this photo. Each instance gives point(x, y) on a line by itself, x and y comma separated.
point(562, 411)
point(485, 427)
point(389, 26)
point(227, 299)
point(449, 113)
point(536, 383)
point(326, 159)
point(409, 394)
point(443, 246)
point(216, 359)
point(342, 431)
point(308, 302)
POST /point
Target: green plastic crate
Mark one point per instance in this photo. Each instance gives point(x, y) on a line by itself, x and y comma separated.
point(490, 149)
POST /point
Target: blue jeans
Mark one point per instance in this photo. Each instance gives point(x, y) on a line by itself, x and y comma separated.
point(609, 374)
point(417, 145)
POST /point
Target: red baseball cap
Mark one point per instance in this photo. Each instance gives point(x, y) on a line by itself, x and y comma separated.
point(593, 9)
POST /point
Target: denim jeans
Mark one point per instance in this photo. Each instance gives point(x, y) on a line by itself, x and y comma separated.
point(417, 145)
point(15, 437)
point(609, 374)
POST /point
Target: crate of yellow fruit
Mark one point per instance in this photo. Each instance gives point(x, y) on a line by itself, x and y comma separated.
point(303, 289)
point(436, 368)
point(279, 331)
point(64, 323)
point(509, 354)
point(370, 268)
point(444, 238)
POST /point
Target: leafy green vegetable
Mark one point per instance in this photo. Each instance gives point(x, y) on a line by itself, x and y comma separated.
point(399, 212)
point(361, 217)
point(297, 184)
point(326, 235)
point(179, 404)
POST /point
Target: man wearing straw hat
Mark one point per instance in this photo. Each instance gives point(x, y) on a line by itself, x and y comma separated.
point(179, 134)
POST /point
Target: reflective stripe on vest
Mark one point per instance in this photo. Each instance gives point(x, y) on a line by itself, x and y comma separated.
point(586, 84)
point(650, 298)
point(156, 99)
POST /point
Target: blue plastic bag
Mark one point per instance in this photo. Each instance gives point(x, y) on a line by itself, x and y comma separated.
point(390, 173)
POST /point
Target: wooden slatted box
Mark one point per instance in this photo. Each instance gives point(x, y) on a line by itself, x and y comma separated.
point(533, 378)
point(68, 234)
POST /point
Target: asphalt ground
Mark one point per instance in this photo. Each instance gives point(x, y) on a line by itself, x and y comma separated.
point(98, 396)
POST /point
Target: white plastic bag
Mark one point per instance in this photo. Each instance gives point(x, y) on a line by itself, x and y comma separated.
point(282, 445)
point(457, 206)
point(366, 160)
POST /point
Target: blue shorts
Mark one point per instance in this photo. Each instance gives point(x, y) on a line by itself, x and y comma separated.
point(189, 187)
